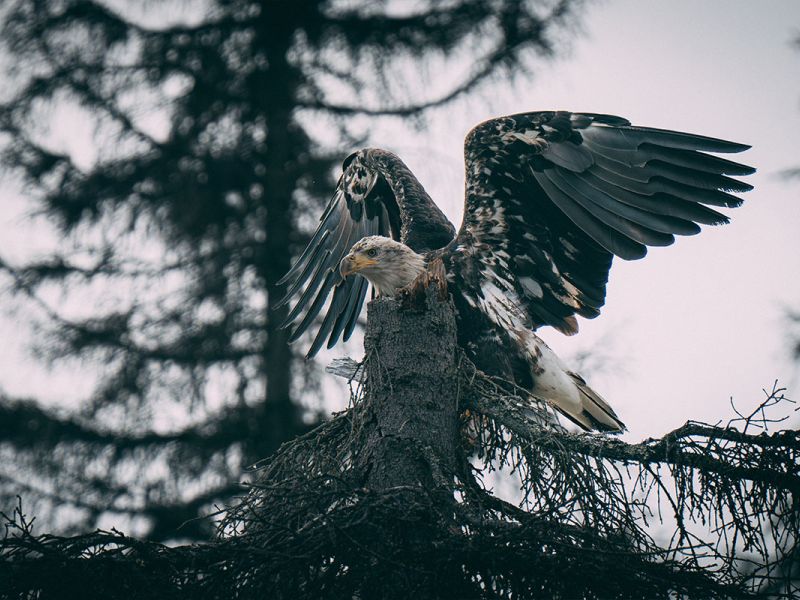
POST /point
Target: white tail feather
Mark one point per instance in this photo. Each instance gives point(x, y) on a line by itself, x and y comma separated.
point(567, 391)
point(596, 411)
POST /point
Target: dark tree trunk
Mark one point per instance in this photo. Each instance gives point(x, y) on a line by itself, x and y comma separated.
point(409, 450)
point(276, 88)
point(410, 345)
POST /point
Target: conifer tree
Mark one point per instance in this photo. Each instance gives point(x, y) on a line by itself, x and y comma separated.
point(207, 173)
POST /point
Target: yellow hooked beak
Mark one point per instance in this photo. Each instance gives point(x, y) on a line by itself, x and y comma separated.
point(353, 263)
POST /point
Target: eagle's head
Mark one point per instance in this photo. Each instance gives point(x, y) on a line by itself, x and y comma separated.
point(388, 265)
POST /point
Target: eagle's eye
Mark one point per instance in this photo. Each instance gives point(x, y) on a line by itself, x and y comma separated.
point(372, 252)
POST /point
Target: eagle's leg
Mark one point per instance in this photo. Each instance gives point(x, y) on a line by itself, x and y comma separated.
point(434, 274)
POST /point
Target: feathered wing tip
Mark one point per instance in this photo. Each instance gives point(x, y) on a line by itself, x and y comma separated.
point(562, 193)
point(315, 274)
point(644, 185)
point(596, 414)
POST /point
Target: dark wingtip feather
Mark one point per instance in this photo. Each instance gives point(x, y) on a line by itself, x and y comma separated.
point(285, 278)
point(316, 344)
point(739, 147)
point(355, 298)
point(353, 319)
point(636, 254)
point(631, 137)
point(692, 140)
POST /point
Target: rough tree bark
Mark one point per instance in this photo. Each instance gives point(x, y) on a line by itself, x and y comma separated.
point(410, 345)
point(411, 428)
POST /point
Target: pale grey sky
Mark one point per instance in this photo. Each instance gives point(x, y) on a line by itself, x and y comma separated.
point(690, 325)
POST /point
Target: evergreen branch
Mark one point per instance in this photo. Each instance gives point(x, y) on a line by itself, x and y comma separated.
point(27, 426)
point(511, 42)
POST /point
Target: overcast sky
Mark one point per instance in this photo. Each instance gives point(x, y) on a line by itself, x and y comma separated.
point(692, 325)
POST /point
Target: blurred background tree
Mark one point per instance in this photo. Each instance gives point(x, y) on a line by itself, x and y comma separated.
point(216, 133)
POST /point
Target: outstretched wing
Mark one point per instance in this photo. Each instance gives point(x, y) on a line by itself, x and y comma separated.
point(552, 197)
point(376, 195)
point(358, 208)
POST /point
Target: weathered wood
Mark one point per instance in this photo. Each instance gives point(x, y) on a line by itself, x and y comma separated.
point(411, 384)
point(347, 368)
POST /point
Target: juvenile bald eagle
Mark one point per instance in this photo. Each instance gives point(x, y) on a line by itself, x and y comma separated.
point(551, 198)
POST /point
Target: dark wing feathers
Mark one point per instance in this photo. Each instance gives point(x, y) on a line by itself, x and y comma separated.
point(346, 321)
point(311, 279)
point(632, 212)
point(376, 195)
point(576, 158)
point(674, 174)
point(682, 158)
point(342, 305)
point(627, 137)
point(553, 196)
point(602, 208)
point(610, 236)
point(657, 203)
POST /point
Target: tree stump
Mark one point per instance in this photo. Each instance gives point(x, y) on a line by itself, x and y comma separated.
point(411, 370)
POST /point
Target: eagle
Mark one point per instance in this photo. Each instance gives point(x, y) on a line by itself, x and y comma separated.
point(551, 198)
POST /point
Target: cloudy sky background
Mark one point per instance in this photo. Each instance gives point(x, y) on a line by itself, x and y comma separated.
point(688, 327)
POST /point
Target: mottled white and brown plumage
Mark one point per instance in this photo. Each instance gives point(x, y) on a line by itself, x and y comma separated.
point(551, 198)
